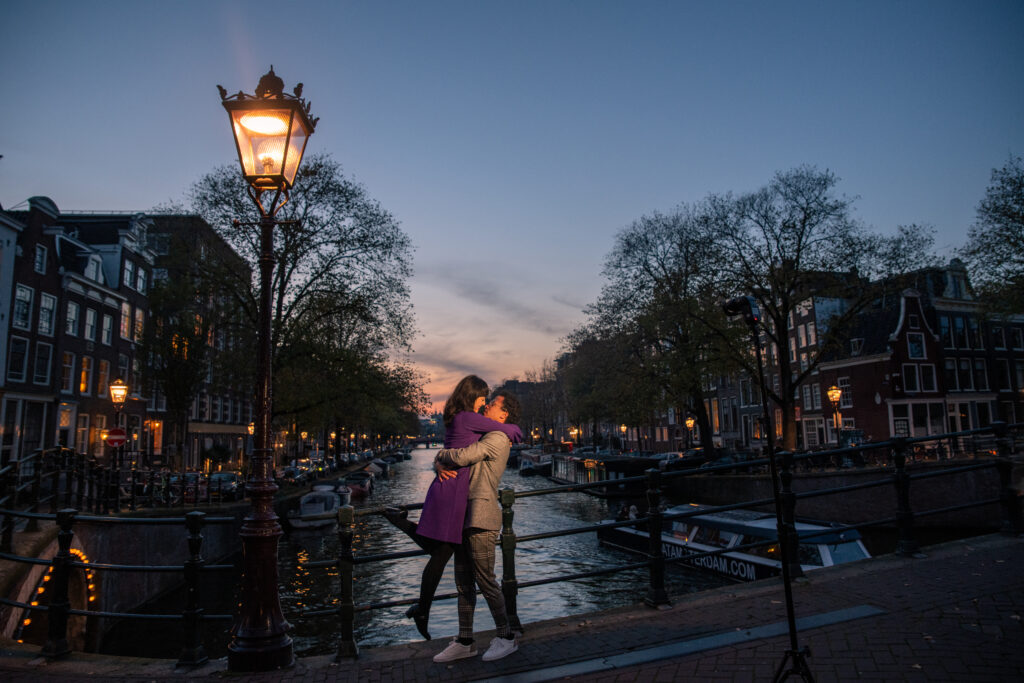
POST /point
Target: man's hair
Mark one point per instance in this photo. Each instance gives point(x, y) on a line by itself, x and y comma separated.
point(511, 405)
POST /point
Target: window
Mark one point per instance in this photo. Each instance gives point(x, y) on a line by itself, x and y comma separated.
point(816, 395)
point(928, 378)
point(945, 331)
point(998, 338)
point(122, 367)
point(108, 329)
point(1018, 370)
point(1018, 339)
point(129, 274)
point(812, 335)
point(846, 398)
point(67, 372)
point(856, 345)
point(17, 358)
point(92, 270)
point(140, 280)
point(980, 375)
point(139, 323)
point(914, 322)
point(39, 263)
point(82, 433)
point(808, 401)
point(71, 319)
point(1003, 374)
point(22, 318)
point(960, 333)
point(126, 320)
point(803, 360)
point(99, 424)
point(801, 333)
point(915, 345)
point(792, 350)
point(90, 324)
point(966, 378)
point(974, 334)
point(103, 378)
point(910, 383)
point(951, 377)
point(41, 366)
point(47, 314)
point(85, 378)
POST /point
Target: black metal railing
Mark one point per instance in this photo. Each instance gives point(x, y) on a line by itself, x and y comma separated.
point(896, 452)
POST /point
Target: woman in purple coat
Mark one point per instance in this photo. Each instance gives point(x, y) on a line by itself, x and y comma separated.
point(444, 509)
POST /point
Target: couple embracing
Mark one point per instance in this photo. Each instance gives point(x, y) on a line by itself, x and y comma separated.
point(461, 515)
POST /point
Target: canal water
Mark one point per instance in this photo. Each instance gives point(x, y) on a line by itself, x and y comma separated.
point(306, 589)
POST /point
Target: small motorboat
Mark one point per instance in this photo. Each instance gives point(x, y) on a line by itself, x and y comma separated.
point(338, 487)
point(359, 483)
point(317, 508)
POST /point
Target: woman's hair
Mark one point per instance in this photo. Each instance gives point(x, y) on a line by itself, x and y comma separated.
point(465, 394)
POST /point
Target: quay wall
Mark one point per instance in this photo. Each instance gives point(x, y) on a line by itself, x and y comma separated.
point(863, 505)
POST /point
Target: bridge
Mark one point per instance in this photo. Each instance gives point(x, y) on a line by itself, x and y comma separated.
point(864, 615)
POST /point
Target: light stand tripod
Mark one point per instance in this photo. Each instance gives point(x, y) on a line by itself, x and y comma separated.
point(796, 657)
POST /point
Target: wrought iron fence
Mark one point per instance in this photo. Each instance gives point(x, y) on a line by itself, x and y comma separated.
point(897, 451)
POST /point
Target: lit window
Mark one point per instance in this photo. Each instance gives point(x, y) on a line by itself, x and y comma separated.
point(85, 378)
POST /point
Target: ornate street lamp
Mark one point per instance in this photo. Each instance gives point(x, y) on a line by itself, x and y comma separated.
point(118, 394)
point(834, 393)
point(622, 430)
point(270, 130)
point(690, 422)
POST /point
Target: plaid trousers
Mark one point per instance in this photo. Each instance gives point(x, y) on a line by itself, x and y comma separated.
point(474, 566)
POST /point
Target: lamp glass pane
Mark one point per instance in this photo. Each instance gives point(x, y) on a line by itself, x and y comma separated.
point(262, 135)
point(296, 147)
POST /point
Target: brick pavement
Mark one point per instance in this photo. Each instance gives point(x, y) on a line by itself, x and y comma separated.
point(952, 615)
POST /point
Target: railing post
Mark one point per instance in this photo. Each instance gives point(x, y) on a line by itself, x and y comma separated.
point(907, 544)
point(788, 500)
point(193, 653)
point(7, 494)
point(1009, 495)
point(347, 647)
point(37, 486)
point(509, 583)
point(57, 615)
point(131, 494)
point(656, 595)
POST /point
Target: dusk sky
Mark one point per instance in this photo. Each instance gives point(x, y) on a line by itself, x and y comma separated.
point(514, 140)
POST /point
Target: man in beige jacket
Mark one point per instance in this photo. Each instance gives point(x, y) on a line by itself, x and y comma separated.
point(474, 559)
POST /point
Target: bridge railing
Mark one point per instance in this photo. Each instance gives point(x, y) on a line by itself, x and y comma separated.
point(897, 452)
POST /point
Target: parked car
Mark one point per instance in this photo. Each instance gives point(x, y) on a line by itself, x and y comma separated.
point(226, 486)
point(194, 487)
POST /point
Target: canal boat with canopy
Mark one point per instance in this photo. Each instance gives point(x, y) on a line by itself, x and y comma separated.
point(819, 546)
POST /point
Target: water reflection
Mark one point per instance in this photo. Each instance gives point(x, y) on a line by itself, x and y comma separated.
point(303, 589)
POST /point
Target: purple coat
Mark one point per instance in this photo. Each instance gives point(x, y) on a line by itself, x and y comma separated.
point(444, 509)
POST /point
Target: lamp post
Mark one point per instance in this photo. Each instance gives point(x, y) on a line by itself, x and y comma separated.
point(118, 393)
point(622, 430)
point(690, 422)
point(746, 306)
point(834, 393)
point(270, 130)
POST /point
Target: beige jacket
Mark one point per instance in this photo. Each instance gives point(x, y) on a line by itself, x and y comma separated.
point(486, 460)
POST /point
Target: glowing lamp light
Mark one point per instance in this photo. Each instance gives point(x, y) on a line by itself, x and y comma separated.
point(690, 422)
point(251, 428)
point(118, 393)
point(834, 394)
point(271, 130)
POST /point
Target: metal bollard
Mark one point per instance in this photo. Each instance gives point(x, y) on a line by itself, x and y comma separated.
point(656, 595)
point(57, 614)
point(193, 653)
point(788, 500)
point(509, 583)
point(907, 544)
point(347, 647)
point(1009, 495)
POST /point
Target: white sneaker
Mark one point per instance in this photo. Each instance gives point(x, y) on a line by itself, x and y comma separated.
point(455, 650)
point(500, 647)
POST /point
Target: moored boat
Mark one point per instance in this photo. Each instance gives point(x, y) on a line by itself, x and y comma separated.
point(317, 508)
point(360, 483)
point(819, 545)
